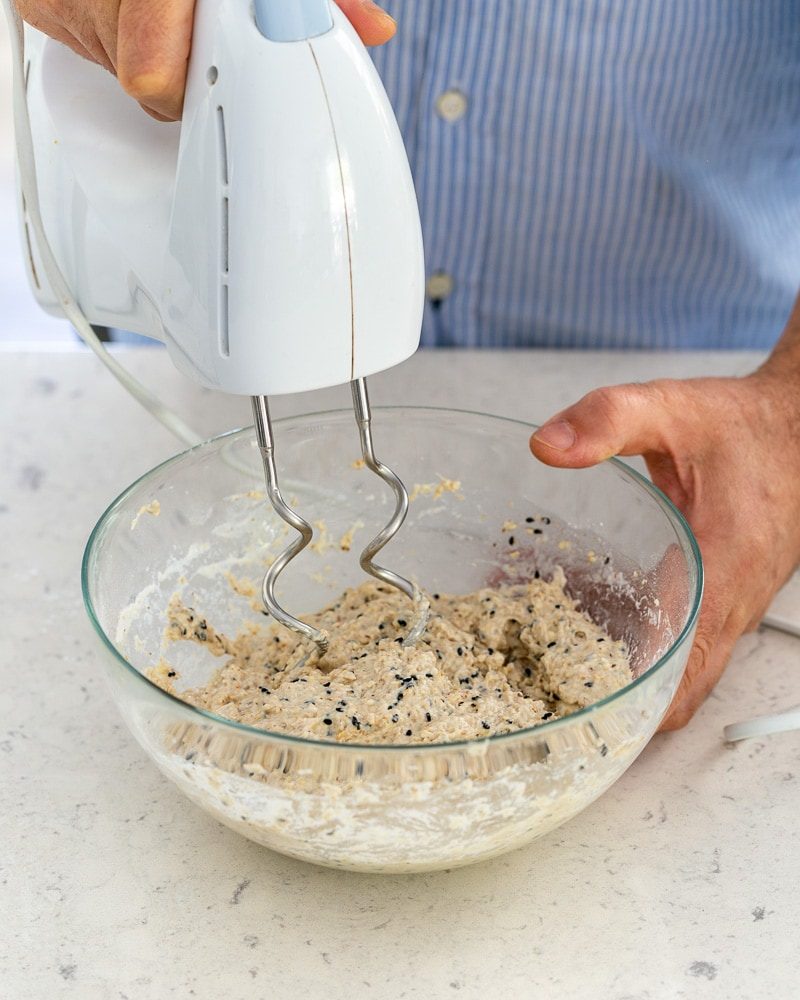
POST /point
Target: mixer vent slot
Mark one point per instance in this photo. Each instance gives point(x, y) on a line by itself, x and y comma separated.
point(224, 234)
point(224, 239)
point(224, 341)
point(222, 145)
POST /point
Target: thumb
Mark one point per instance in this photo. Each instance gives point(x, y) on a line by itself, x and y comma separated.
point(374, 25)
point(619, 420)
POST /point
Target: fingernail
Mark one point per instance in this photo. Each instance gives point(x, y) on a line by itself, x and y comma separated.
point(559, 435)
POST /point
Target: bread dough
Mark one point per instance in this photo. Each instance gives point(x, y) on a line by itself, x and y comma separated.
point(493, 661)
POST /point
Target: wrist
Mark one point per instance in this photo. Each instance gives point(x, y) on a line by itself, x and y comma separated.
point(783, 364)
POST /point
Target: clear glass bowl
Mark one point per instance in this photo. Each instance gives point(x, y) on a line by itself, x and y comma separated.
point(628, 555)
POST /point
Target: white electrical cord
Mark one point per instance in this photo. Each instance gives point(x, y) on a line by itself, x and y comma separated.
point(30, 194)
point(766, 725)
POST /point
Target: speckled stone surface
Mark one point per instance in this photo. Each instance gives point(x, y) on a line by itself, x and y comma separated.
point(680, 882)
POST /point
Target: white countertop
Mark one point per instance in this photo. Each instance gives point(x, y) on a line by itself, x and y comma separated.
point(682, 881)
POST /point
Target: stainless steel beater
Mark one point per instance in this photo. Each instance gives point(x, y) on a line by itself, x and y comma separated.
point(264, 437)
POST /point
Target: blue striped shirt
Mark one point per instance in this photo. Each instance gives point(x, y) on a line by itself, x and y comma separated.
point(626, 173)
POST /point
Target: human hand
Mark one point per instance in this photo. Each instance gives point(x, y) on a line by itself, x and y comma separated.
point(146, 43)
point(726, 451)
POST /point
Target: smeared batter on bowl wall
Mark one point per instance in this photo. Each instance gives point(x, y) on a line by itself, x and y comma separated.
point(493, 661)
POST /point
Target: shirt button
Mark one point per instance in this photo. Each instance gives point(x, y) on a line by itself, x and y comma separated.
point(451, 105)
point(439, 286)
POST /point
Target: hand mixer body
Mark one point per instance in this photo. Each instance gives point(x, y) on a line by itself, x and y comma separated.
point(271, 240)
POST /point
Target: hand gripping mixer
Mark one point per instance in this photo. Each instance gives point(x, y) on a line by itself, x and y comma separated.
point(271, 240)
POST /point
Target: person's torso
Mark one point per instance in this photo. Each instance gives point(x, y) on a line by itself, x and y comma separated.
point(603, 173)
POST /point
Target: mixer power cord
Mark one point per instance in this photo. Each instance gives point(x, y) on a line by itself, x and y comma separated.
point(172, 421)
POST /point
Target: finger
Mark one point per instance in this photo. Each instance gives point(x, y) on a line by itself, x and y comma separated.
point(39, 17)
point(374, 25)
point(92, 43)
point(77, 46)
point(105, 18)
point(153, 43)
point(619, 420)
point(710, 653)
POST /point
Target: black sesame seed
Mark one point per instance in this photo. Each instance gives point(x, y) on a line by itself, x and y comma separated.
point(547, 715)
point(401, 622)
point(399, 638)
point(588, 684)
point(460, 651)
point(529, 520)
point(427, 716)
point(171, 673)
point(395, 717)
point(603, 750)
point(550, 645)
point(408, 732)
point(327, 722)
point(355, 722)
point(264, 690)
point(545, 520)
point(431, 675)
point(486, 725)
point(510, 539)
point(537, 531)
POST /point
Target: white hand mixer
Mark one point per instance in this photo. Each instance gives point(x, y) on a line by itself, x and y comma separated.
point(271, 240)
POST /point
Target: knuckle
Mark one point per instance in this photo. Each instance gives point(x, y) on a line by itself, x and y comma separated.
point(700, 656)
point(604, 400)
point(607, 407)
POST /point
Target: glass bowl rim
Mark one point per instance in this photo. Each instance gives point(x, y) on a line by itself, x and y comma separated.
point(674, 515)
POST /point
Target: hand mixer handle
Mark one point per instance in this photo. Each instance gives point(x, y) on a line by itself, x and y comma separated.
point(273, 239)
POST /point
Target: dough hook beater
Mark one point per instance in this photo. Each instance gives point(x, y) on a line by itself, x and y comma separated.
point(266, 445)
